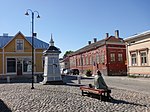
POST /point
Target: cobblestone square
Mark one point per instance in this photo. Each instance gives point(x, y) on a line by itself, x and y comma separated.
point(18, 97)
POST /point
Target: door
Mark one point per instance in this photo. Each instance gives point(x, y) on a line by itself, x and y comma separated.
point(19, 68)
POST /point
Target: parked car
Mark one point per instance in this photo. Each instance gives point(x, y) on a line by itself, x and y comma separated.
point(66, 71)
point(74, 71)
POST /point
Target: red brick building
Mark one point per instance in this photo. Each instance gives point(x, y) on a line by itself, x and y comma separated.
point(107, 55)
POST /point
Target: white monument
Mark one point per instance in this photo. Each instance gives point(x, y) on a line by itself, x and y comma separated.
point(51, 67)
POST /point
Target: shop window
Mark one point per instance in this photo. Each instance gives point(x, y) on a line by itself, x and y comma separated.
point(11, 65)
point(27, 65)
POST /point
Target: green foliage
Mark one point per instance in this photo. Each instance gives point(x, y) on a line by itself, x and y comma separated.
point(67, 53)
point(88, 73)
point(132, 76)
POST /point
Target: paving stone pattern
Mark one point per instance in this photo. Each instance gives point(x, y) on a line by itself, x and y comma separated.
point(19, 97)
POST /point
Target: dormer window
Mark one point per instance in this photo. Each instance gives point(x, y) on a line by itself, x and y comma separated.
point(19, 45)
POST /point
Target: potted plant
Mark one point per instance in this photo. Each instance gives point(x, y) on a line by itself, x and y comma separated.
point(88, 73)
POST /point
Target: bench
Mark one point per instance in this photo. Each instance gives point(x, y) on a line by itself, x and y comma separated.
point(86, 90)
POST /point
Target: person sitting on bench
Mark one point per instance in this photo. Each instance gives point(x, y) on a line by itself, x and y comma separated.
point(99, 82)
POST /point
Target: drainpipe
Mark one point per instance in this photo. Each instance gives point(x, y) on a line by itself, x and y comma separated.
point(34, 62)
point(107, 59)
point(127, 57)
point(82, 63)
point(3, 61)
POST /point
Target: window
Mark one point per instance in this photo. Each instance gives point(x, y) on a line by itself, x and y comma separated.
point(27, 65)
point(120, 58)
point(79, 62)
point(19, 45)
point(143, 58)
point(112, 57)
point(97, 58)
point(90, 60)
point(102, 57)
point(87, 60)
point(93, 60)
point(43, 61)
point(74, 62)
point(83, 60)
point(11, 65)
point(133, 59)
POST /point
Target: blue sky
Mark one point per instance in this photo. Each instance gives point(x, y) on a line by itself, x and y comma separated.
point(75, 22)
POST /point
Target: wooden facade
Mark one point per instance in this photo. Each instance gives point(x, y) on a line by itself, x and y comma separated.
point(16, 55)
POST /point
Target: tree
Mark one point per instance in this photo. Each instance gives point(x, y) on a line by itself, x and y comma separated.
point(67, 53)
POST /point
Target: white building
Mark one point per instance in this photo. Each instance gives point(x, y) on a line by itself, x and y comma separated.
point(138, 54)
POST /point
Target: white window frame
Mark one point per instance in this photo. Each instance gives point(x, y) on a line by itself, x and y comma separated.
point(135, 59)
point(120, 57)
point(22, 44)
point(97, 58)
point(142, 57)
point(102, 57)
point(112, 57)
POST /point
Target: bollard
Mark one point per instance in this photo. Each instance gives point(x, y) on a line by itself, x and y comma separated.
point(79, 79)
point(8, 79)
point(35, 78)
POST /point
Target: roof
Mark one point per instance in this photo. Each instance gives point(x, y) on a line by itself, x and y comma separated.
point(53, 49)
point(38, 44)
point(97, 44)
point(89, 47)
point(137, 35)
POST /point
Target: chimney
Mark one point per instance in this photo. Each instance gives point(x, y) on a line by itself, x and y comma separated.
point(89, 42)
point(95, 40)
point(107, 35)
point(34, 34)
point(117, 33)
point(5, 34)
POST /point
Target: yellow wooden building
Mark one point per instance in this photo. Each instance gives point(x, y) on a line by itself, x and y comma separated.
point(16, 55)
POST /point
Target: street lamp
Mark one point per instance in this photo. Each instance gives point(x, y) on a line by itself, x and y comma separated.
point(33, 34)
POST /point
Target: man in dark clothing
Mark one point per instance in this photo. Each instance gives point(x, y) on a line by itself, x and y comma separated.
point(99, 82)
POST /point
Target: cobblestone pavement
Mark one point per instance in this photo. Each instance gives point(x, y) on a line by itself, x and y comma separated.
point(65, 98)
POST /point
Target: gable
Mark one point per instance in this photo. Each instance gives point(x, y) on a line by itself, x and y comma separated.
point(9, 41)
point(11, 45)
point(113, 39)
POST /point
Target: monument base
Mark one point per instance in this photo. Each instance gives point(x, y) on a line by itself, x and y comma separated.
point(59, 82)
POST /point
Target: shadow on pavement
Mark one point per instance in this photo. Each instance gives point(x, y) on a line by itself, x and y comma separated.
point(3, 107)
point(67, 79)
point(124, 102)
point(19, 79)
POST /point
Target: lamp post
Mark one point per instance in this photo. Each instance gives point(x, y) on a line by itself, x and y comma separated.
point(33, 34)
